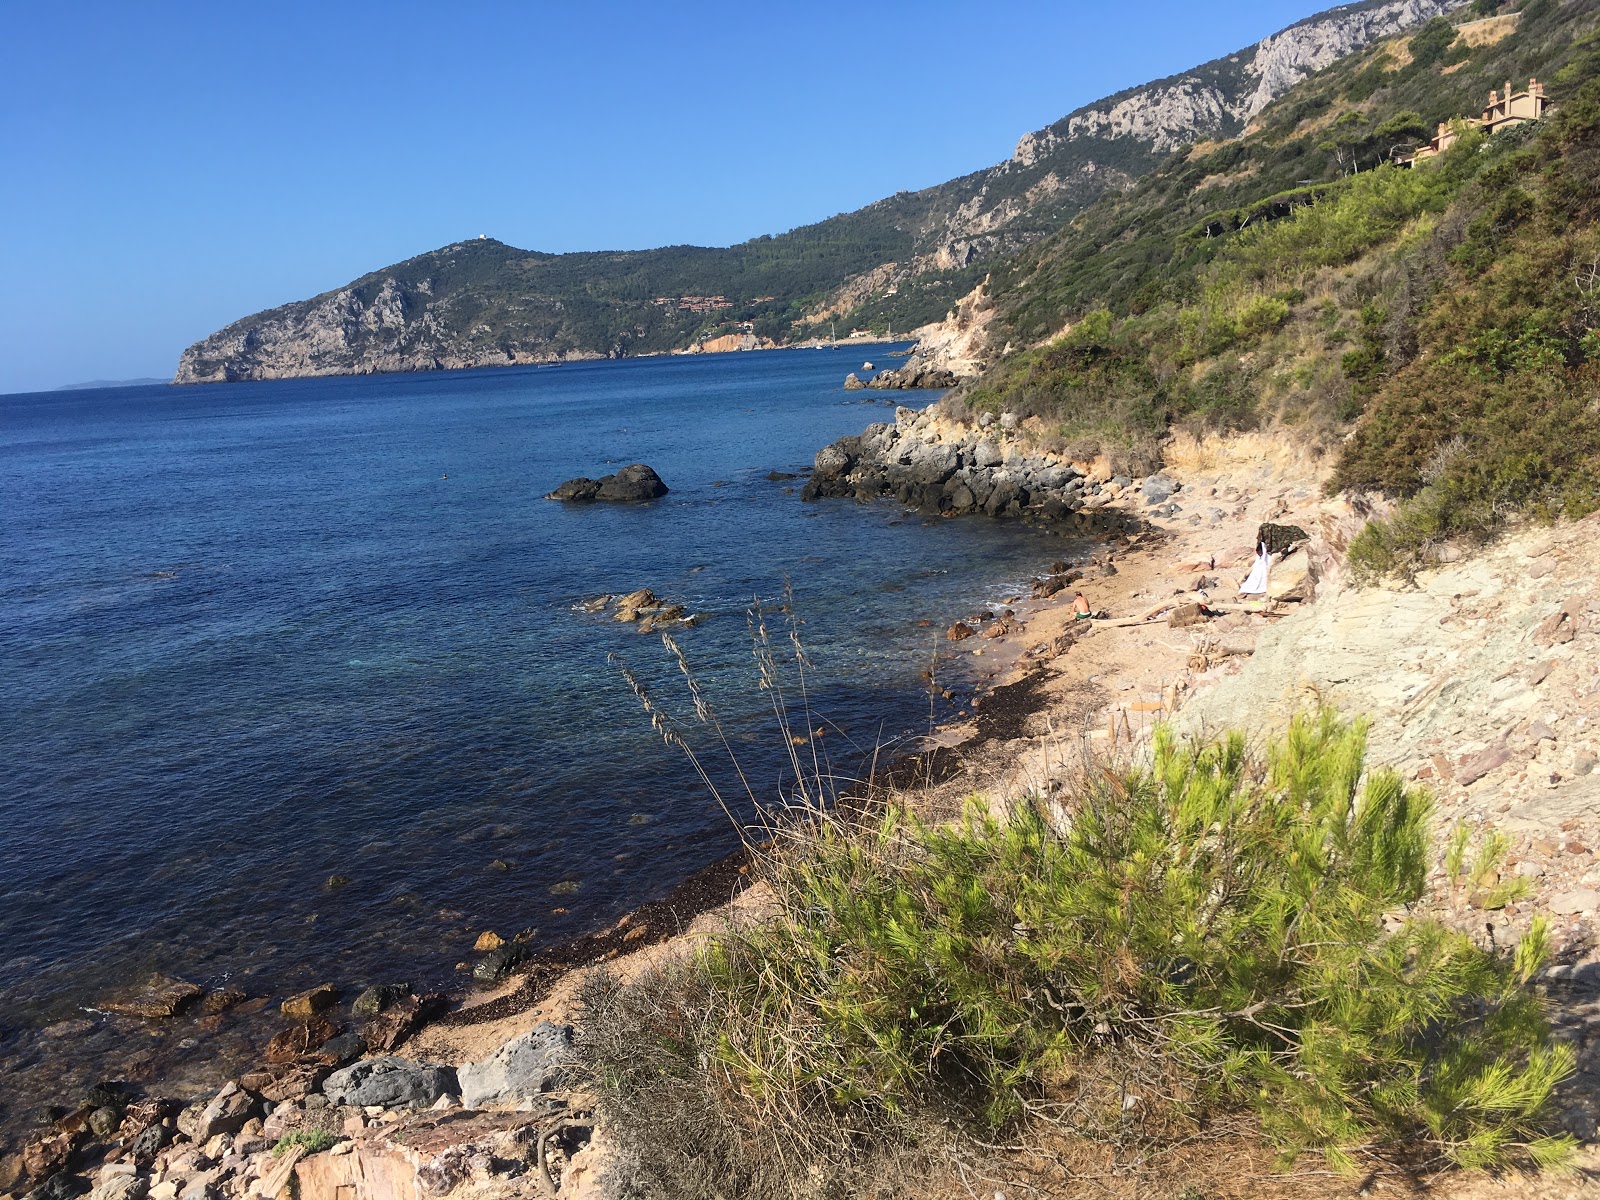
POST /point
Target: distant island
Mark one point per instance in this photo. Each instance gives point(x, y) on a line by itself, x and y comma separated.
point(143, 381)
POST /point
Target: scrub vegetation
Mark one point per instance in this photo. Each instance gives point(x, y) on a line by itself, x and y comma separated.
point(1447, 314)
point(1167, 956)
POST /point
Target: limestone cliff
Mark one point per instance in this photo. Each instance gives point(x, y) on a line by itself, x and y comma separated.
point(406, 318)
point(1218, 98)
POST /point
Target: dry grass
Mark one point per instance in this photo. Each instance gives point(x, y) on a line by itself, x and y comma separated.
point(1489, 30)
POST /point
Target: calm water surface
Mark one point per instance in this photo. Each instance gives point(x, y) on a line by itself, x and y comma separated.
point(257, 635)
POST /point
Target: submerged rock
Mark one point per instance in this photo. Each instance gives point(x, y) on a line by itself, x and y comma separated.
point(160, 997)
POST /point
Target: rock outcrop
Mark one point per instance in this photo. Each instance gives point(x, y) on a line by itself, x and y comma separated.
point(932, 463)
point(391, 1082)
point(631, 485)
point(521, 1071)
point(914, 376)
point(729, 343)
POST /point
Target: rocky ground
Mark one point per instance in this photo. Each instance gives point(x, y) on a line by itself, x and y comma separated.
point(1480, 679)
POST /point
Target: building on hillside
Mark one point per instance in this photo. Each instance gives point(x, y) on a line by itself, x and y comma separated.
point(1510, 108)
point(1441, 141)
point(1504, 110)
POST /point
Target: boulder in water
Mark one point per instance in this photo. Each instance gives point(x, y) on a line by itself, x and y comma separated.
point(630, 485)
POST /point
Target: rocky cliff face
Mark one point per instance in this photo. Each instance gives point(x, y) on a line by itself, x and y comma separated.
point(1218, 98)
point(395, 320)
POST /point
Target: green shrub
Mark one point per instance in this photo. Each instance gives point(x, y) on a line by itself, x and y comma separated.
point(1262, 315)
point(314, 1140)
point(1434, 43)
point(1199, 936)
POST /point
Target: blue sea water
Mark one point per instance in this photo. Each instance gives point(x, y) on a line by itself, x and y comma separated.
point(253, 636)
point(257, 635)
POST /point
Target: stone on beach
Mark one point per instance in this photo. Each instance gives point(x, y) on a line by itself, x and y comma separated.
point(226, 1112)
point(391, 1082)
point(521, 1070)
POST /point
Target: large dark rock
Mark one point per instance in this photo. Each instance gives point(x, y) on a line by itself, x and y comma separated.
point(628, 486)
point(378, 997)
point(497, 964)
point(59, 1187)
point(390, 1081)
point(632, 484)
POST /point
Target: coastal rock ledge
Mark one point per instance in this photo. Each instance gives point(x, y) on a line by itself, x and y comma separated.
point(630, 485)
point(927, 462)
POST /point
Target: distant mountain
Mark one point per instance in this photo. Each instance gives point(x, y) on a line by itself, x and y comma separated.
point(899, 262)
point(109, 383)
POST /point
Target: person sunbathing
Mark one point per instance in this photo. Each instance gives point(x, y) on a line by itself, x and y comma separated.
point(1080, 608)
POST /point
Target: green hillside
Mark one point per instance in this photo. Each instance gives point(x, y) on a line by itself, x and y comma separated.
point(1441, 312)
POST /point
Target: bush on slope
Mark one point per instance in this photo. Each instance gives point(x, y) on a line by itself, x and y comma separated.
point(1205, 936)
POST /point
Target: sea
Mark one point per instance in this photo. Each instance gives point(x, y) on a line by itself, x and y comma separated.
point(297, 685)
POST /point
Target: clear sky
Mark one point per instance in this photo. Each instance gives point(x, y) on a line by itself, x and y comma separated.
point(166, 168)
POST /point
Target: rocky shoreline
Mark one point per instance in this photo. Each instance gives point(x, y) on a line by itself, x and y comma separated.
point(926, 461)
point(396, 1093)
point(347, 1087)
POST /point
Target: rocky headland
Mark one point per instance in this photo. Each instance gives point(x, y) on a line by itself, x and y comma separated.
point(483, 303)
point(930, 461)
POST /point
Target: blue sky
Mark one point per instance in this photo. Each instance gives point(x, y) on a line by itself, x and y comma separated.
point(166, 168)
